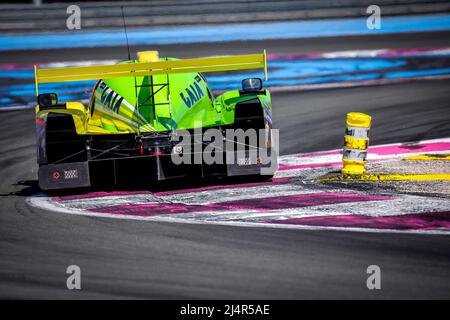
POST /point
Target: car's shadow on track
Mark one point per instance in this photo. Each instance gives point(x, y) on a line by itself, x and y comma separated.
point(30, 187)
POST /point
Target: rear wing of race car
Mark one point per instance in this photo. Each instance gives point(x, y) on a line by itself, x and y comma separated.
point(208, 64)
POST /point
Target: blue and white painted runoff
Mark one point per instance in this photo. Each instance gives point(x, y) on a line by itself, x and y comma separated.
point(228, 32)
point(293, 71)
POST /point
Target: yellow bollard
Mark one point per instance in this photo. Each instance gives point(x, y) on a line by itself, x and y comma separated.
point(356, 141)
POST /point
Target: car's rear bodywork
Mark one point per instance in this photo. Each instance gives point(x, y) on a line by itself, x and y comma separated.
point(136, 114)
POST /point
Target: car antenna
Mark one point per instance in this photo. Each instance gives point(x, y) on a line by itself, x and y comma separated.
point(126, 35)
point(129, 58)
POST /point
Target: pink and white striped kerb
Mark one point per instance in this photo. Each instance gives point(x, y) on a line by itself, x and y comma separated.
point(289, 201)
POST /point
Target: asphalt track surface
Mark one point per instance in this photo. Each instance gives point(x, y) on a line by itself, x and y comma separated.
point(139, 259)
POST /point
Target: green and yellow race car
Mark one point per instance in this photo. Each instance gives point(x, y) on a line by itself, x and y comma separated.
point(154, 119)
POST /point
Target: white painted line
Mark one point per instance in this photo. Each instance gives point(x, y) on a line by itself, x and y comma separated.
point(36, 203)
